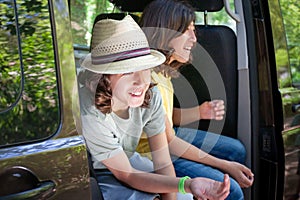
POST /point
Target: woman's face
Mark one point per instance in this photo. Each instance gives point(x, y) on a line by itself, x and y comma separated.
point(128, 90)
point(183, 45)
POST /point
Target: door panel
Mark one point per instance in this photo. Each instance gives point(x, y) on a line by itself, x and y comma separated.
point(42, 154)
point(57, 161)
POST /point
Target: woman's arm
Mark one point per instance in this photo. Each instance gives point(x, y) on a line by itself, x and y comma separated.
point(207, 110)
point(183, 149)
point(184, 116)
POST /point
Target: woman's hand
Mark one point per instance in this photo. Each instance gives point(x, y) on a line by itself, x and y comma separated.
point(240, 173)
point(212, 110)
point(204, 188)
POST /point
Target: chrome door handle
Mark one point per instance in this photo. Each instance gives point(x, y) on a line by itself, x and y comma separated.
point(43, 190)
point(20, 183)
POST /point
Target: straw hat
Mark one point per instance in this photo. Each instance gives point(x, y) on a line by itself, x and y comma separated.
point(120, 46)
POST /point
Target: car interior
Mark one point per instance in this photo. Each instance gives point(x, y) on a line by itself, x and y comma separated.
point(219, 43)
point(213, 72)
point(247, 54)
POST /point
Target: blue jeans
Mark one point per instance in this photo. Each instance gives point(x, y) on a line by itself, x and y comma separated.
point(217, 145)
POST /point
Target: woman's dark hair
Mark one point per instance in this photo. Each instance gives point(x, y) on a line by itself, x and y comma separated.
point(163, 20)
point(103, 95)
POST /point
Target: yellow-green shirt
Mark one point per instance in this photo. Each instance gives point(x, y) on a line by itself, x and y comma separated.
point(165, 87)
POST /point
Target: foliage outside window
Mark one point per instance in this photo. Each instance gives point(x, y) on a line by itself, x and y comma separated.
point(83, 14)
point(291, 19)
point(28, 94)
point(285, 21)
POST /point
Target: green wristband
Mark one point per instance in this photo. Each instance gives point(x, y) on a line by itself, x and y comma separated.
point(181, 184)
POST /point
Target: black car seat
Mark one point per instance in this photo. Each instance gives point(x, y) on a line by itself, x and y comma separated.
point(220, 43)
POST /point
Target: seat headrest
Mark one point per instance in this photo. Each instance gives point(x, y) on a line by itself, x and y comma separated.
point(139, 5)
point(131, 5)
point(207, 5)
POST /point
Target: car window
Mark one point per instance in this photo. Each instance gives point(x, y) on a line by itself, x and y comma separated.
point(29, 105)
point(217, 18)
point(285, 21)
point(286, 41)
point(84, 13)
point(82, 18)
point(290, 12)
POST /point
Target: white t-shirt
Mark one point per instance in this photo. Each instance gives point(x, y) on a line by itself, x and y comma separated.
point(107, 134)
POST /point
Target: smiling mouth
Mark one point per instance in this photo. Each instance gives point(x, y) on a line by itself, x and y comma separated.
point(187, 48)
point(136, 93)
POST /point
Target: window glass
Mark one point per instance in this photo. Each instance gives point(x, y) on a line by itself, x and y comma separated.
point(216, 18)
point(285, 21)
point(29, 108)
point(280, 46)
point(291, 18)
point(220, 17)
point(83, 14)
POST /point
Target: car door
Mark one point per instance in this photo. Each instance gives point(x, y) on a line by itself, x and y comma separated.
point(276, 27)
point(285, 21)
point(42, 154)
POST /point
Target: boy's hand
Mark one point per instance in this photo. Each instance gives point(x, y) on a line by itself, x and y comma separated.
point(204, 188)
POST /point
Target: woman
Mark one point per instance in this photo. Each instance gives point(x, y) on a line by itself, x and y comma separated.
point(169, 27)
point(118, 102)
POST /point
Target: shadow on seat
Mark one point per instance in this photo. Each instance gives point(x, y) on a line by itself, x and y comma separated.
point(220, 43)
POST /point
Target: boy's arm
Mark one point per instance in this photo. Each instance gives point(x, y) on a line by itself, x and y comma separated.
point(156, 183)
point(120, 166)
point(161, 159)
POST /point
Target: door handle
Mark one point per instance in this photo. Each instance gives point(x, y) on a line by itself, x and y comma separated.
point(41, 192)
point(20, 183)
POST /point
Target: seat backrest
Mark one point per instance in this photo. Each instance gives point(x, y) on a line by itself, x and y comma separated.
point(220, 43)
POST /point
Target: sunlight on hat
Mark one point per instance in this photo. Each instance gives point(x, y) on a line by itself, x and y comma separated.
point(120, 46)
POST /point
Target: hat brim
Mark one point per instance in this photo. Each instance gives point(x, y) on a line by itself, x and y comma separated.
point(151, 60)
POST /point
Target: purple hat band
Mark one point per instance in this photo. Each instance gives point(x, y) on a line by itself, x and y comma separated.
point(96, 60)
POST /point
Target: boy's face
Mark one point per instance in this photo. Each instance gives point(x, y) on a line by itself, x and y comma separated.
point(128, 90)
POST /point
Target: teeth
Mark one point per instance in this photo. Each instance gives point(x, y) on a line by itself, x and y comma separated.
point(137, 93)
point(187, 48)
